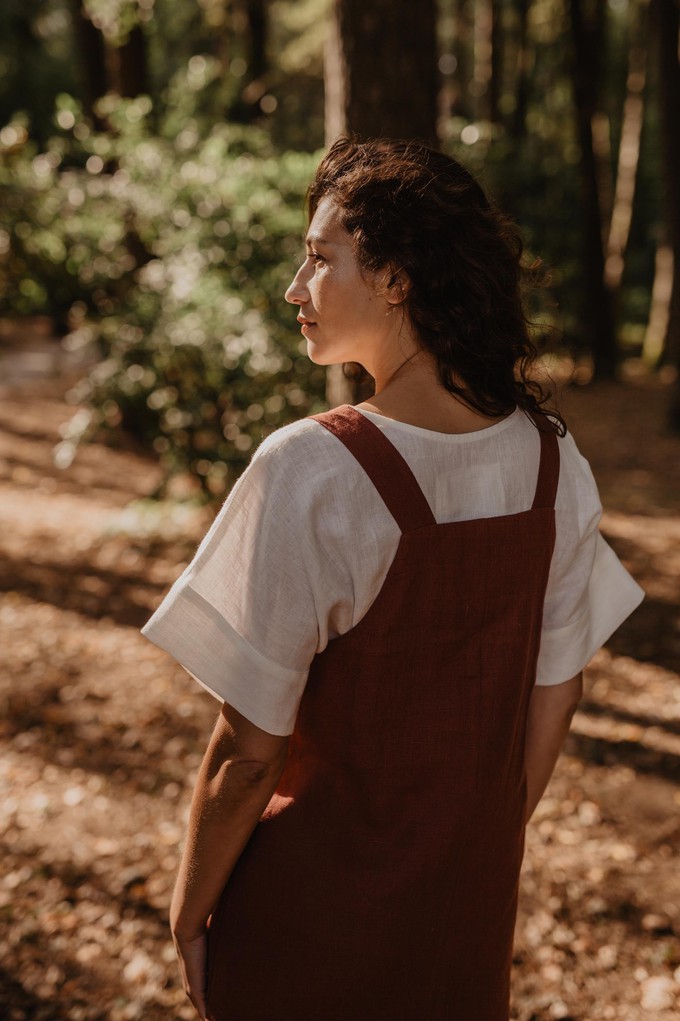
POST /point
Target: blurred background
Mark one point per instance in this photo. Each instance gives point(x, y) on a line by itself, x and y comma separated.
point(154, 157)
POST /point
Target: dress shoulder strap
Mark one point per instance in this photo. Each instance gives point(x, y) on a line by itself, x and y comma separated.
point(384, 465)
point(549, 465)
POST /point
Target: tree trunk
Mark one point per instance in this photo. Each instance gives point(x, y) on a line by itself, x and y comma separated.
point(388, 68)
point(629, 151)
point(462, 51)
point(250, 21)
point(256, 19)
point(597, 320)
point(497, 62)
point(666, 20)
point(91, 49)
point(131, 64)
point(481, 84)
point(653, 346)
point(381, 81)
point(519, 118)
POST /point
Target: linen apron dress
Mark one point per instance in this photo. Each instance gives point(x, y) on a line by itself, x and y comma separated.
point(381, 882)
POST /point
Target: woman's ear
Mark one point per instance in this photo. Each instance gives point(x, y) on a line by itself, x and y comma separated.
point(398, 286)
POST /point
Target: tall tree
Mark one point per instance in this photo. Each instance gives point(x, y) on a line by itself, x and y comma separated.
point(522, 67)
point(91, 49)
point(381, 81)
point(250, 28)
point(629, 148)
point(462, 48)
point(597, 315)
point(482, 84)
point(497, 59)
point(666, 22)
point(130, 63)
point(112, 46)
point(256, 17)
point(386, 68)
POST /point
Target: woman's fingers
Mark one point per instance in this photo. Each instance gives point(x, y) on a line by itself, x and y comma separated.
point(192, 955)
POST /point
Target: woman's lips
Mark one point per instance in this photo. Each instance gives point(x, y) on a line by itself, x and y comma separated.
point(305, 324)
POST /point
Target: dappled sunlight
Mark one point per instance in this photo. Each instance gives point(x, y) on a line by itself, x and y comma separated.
point(102, 736)
point(154, 162)
point(651, 547)
point(631, 713)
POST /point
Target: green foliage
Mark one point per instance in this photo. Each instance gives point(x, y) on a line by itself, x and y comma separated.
point(164, 240)
point(116, 18)
point(172, 257)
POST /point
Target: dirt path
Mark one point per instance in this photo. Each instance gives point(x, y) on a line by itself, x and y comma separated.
point(101, 737)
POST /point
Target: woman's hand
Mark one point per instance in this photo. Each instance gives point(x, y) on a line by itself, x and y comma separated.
point(192, 953)
point(238, 775)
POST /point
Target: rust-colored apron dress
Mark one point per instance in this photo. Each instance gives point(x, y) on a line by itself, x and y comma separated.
point(381, 883)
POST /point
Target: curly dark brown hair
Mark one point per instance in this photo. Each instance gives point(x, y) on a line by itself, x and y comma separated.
point(409, 207)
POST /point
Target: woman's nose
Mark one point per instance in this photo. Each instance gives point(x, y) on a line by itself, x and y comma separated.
point(297, 293)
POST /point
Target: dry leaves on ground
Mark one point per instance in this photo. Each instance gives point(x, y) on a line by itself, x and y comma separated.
point(102, 737)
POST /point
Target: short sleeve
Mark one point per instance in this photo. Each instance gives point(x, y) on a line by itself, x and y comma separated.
point(589, 593)
point(242, 617)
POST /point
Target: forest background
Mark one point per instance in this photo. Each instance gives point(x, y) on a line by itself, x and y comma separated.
point(154, 156)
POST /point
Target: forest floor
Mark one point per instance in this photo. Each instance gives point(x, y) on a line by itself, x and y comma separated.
point(101, 736)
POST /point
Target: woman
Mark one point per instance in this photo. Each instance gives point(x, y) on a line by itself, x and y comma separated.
point(395, 605)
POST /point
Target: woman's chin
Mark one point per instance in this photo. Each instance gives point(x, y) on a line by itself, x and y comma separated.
point(316, 354)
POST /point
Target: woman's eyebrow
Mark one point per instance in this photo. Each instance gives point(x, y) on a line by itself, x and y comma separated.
point(316, 239)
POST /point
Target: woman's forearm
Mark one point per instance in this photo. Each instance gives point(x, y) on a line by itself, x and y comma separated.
point(233, 788)
point(550, 714)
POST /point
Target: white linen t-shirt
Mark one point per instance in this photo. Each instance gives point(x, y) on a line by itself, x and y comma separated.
point(302, 545)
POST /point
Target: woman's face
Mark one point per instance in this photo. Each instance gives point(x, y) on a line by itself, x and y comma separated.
point(342, 317)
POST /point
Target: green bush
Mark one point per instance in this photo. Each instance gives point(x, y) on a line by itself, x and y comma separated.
point(171, 257)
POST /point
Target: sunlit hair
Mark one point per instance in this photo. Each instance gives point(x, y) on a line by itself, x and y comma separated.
point(408, 207)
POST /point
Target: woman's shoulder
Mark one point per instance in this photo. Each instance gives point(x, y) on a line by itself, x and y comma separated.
point(294, 442)
point(301, 456)
point(572, 460)
point(300, 478)
point(577, 493)
point(292, 480)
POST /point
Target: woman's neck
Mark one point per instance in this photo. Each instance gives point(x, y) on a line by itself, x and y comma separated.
point(414, 394)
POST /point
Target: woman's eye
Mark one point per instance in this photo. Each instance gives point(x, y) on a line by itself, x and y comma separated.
point(315, 257)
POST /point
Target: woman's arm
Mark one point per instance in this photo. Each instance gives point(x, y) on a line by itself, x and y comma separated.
point(550, 713)
point(239, 773)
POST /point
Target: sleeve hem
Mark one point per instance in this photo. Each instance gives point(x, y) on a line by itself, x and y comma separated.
point(611, 597)
point(225, 664)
